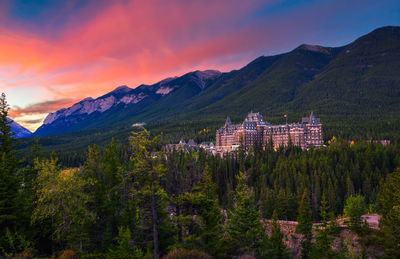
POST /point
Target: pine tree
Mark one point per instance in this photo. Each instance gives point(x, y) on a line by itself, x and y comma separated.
point(304, 226)
point(390, 210)
point(124, 247)
point(9, 180)
point(93, 172)
point(110, 207)
point(7, 141)
point(279, 248)
point(246, 234)
point(103, 172)
point(200, 218)
point(148, 172)
point(210, 213)
point(322, 246)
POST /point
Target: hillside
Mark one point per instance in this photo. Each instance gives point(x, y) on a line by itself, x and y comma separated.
point(122, 104)
point(19, 131)
point(354, 89)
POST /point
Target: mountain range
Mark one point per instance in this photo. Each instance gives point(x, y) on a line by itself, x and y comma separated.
point(19, 131)
point(353, 88)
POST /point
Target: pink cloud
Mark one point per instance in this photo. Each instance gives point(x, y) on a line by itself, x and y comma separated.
point(38, 108)
point(128, 42)
point(134, 42)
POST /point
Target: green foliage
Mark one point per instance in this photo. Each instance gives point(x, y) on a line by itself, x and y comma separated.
point(354, 208)
point(104, 179)
point(304, 225)
point(390, 210)
point(279, 248)
point(61, 198)
point(148, 173)
point(200, 219)
point(15, 243)
point(245, 233)
point(110, 202)
point(9, 178)
point(323, 240)
point(124, 247)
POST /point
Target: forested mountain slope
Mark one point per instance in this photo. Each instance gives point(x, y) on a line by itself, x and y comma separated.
point(354, 89)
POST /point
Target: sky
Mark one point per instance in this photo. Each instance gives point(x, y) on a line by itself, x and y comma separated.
point(55, 53)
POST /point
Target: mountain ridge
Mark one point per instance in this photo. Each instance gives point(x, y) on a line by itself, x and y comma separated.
point(18, 130)
point(120, 98)
point(335, 82)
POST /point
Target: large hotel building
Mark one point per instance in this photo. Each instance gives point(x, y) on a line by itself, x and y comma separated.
point(255, 130)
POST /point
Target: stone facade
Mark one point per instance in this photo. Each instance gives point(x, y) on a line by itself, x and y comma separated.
point(255, 130)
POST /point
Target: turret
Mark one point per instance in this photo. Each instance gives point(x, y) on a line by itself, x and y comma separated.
point(228, 122)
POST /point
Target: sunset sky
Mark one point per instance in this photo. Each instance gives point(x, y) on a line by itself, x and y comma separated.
point(55, 53)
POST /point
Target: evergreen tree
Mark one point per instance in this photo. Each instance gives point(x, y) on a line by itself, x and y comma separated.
point(124, 247)
point(103, 174)
point(304, 226)
point(245, 233)
point(322, 246)
point(148, 173)
point(279, 248)
point(200, 219)
point(111, 180)
point(9, 180)
point(390, 210)
point(211, 231)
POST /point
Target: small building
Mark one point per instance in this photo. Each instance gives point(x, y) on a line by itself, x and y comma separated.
point(191, 145)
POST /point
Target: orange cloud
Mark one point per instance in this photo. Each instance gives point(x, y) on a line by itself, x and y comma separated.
point(39, 108)
point(126, 43)
point(133, 42)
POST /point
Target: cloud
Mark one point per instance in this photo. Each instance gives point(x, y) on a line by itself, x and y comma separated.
point(126, 43)
point(31, 121)
point(92, 50)
point(39, 108)
point(32, 116)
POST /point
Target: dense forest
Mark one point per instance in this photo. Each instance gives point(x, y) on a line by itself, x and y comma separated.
point(140, 202)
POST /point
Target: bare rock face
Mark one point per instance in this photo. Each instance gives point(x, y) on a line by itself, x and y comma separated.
point(90, 110)
point(347, 238)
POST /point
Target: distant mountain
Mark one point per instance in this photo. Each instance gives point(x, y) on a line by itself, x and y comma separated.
point(364, 79)
point(354, 89)
point(19, 131)
point(124, 102)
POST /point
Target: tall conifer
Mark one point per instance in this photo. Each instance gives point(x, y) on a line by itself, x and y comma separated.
point(279, 248)
point(246, 234)
point(305, 224)
point(148, 173)
point(9, 182)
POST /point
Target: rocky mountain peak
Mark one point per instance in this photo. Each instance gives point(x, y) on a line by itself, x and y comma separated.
point(314, 48)
point(206, 74)
point(203, 76)
point(121, 89)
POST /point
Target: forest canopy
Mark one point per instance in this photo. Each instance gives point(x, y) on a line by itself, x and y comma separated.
point(145, 202)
